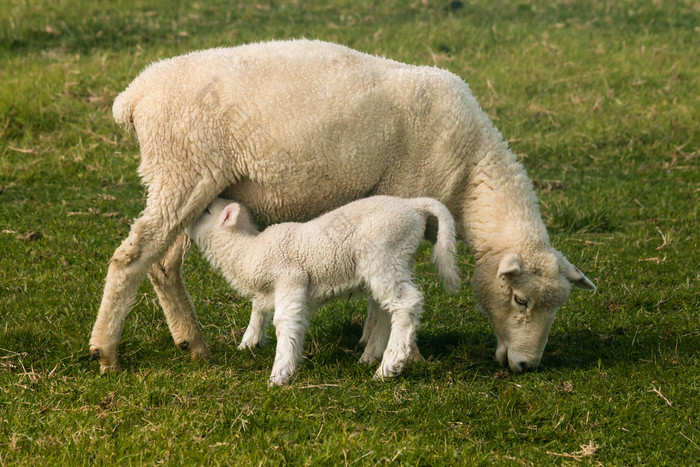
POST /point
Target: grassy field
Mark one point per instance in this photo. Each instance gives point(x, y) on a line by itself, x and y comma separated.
point(599, 99)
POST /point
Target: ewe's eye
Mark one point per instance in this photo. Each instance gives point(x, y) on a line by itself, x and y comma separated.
point(519, 300)
point(207, 210)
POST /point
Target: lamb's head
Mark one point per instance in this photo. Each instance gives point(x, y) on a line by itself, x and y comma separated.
point(221, 215)
point(520, 294)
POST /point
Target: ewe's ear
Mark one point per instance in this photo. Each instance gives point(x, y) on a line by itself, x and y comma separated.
point(229, 216)
point(510, 266)
point(576, 277)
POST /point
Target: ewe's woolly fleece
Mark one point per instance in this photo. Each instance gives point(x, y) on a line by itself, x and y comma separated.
point(338, 123)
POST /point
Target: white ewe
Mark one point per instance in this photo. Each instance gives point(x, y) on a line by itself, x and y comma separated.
point(291, 268)
point(294, 129)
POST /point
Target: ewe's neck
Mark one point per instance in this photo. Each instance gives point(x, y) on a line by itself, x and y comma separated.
point(501, 212)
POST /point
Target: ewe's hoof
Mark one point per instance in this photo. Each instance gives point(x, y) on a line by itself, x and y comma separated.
point(196, 347)
point(106, 368)
point(108, 362)
point(200, 353)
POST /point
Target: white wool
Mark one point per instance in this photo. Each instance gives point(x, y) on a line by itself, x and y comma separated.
point(291, 268)
point(293, 129)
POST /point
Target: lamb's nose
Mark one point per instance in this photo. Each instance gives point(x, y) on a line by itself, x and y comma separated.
point(523, 366)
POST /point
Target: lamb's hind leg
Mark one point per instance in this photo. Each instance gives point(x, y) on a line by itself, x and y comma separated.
point(375, 335)
point(376, 332)
point(405, 307)
point(166, 276)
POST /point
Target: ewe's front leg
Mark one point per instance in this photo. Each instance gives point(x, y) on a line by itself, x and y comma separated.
point(256, 333)
point(291, 322)
point(405, 308)
point(166, 276)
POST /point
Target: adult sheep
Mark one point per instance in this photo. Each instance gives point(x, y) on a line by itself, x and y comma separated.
point(295, 128)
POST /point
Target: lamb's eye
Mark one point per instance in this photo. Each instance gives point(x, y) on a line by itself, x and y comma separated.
point(519, 300)
point(207, 210)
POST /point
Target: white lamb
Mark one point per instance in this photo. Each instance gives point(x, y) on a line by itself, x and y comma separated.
point(293, 129)
point(291, 268)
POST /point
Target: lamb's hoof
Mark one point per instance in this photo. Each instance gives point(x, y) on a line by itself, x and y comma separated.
point(184, 345)
point(385, 372)
point(415, 356)
point(252, 345)
point(368, 359)
point(280, 378)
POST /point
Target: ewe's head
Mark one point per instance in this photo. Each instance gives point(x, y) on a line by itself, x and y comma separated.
point(220, 216)
point(520, 294)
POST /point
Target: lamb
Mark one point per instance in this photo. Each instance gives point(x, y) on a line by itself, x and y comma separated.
point(292, 268)
point(293, 129)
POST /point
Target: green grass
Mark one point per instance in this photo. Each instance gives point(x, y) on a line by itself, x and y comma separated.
point(600, 99)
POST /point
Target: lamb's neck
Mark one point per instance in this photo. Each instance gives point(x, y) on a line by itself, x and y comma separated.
point(502, 212)
point(228, 251)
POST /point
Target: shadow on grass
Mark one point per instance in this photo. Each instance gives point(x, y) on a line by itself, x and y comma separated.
point(336, 343)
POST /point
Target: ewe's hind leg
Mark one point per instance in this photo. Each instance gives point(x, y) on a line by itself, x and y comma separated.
point(256, 333)
point(127, 269)
point(405, 307)
point(166, 276)
point(377, 329)
point(151, 234)
point(291, 322)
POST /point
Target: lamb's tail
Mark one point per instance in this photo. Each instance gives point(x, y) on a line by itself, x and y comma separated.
point(445, 247)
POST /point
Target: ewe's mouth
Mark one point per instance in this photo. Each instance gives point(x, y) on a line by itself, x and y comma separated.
point(516, 367)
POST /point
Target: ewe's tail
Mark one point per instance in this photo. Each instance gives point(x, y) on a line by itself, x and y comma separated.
point(123, 107)
point(444, 249)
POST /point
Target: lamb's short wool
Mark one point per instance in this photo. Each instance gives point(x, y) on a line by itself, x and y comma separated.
point(293, 129)
point(291, 268)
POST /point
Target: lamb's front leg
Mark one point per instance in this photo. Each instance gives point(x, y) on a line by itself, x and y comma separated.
point(256, 333)
point(291, 321)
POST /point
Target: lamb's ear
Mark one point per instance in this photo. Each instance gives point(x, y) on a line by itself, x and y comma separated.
point(229, 216)
point(510, 266)
point(576, 277)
